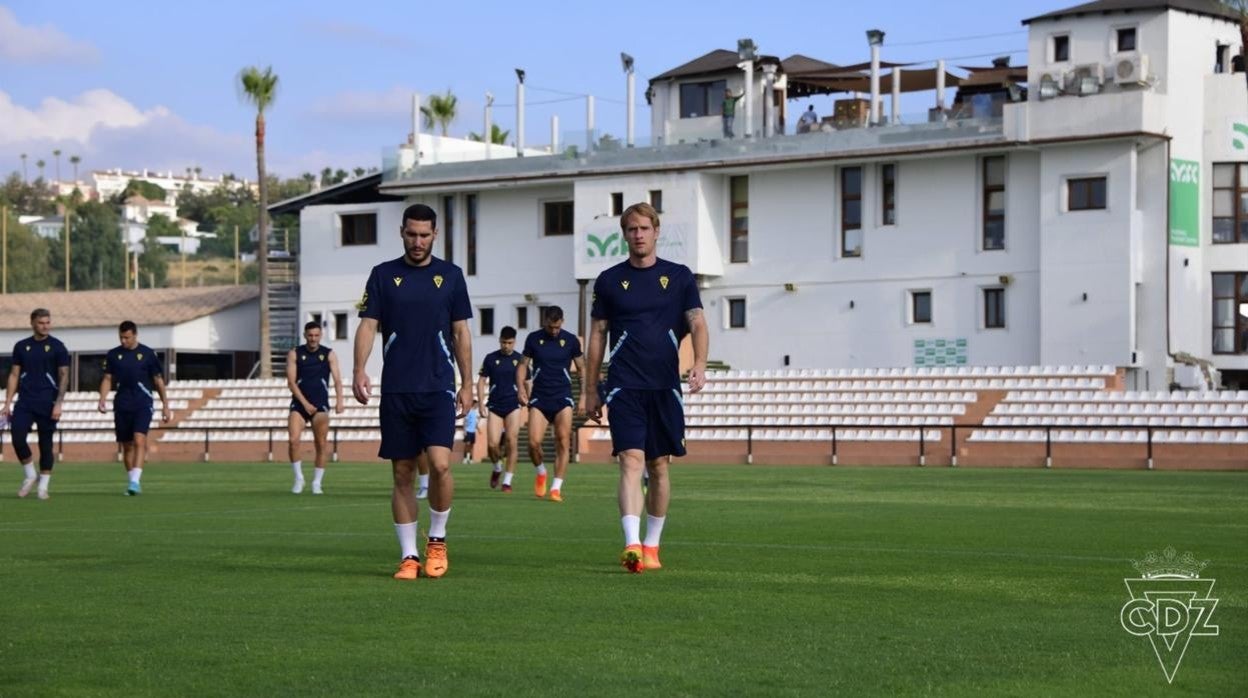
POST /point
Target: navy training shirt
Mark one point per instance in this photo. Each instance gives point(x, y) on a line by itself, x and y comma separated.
point(645, 313)
point(133, 371)
point(39, 361)
point(500, 369)
point(312, 370)
point(552, 356)
point(415, 307)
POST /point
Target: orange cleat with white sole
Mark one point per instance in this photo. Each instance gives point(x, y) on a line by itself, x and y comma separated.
point(556, 496)
point(408, 569)
point(435, 559)
point(631, 559)
point(650, 557)
point(539, 486)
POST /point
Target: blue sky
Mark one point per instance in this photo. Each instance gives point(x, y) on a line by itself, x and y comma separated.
point(130, 84)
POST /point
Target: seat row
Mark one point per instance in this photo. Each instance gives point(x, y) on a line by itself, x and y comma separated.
point(909, 384)
point(1092, 421)
point(825, 409)
point(859, 421)
point(1122, 408)
point(973, 371)
point(1129, 396)
point(272, 423)
point(795, 435)
point(833, 396)
point(1140, 436)
point(257, 436)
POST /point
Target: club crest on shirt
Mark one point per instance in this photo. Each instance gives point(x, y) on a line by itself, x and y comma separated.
point(437, 280)
point(515, 362)
point(563, 342)
point(138, 357)
point(496, 362)
point(303, 357)
point(663, 282)
point(119, 357)
point(624, 283)
point(47, 347)
point(398, 280)
point(321, 357)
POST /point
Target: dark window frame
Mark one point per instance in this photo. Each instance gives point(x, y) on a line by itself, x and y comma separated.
point(1081, 193)
point(617, 203)
point(350, 235)
point(988, 218)
point(1122, 32)
point(562, 218)
point(734, 304)
point(522, 317)
point(994, 308)
point(914, 307)
point(1238, 192)
point(448, 228)
point(1061, 41)
point(701, 99)
point(738, 238)
point(848, 225)
point(656, 199)
point(485, 326)
point(470, 231)
point(1239, 323)
point(341, 325)
point(888, 194)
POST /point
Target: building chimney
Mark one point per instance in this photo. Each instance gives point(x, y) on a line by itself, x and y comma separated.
point(875, 38)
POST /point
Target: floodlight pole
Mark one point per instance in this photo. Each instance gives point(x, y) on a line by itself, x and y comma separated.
point(67, 230)
point(519, 113)
point(4, 249)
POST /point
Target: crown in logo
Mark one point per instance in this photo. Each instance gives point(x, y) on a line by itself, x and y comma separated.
point(1169, 565)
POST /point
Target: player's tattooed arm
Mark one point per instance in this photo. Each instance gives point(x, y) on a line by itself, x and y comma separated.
point(696, 320)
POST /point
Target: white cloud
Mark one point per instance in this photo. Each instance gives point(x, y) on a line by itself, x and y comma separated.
point(354, 105)
point(58, 120)
point(43, 44)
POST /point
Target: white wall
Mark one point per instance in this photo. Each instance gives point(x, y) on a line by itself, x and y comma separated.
point(232, 329)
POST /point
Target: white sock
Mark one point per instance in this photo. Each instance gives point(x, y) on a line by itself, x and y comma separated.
point(29, 468)
point(424, 482)
point(317, 476)
point(541, 469)
point(135, 474)
point(557, 484)
point(498, 467)
point(654, 530)
point(43, 481)
point(632, 529)
point(437, 522)
point(407, 539)
point(507, 478)
point(297, 466)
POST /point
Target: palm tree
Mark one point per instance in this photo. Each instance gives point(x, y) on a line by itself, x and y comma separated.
point(441, 111)
point(359, 171)
point(25, 178)
point(40, 164)
point(497, 135)
point(57, 154)
point(74, 160)
point(259, 88)
point(198, 171)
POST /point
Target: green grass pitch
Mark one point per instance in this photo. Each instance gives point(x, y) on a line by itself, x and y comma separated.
point(777, 581)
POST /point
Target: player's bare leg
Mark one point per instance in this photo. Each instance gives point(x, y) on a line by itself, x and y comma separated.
point(441, 492)
point(537, 432)
point(422, 468)
point(294, 429)
point(657, 497)
point(135, 457)
point(563, 448)
point(404, 508)
point(511, 445)
point(320, 436)
point(631, 501)
point(493, 438)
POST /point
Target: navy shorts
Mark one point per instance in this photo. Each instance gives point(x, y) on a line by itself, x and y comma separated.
point(470, 437)
point(649, 420)
point(412, 422)
point(26, 415)
point(321, 406)
point(551, 406)
point(504, 409)
point(127, 423)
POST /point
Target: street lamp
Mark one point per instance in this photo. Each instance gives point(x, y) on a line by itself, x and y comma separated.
point(520, 113)
point(875, 38)
point(630, 90)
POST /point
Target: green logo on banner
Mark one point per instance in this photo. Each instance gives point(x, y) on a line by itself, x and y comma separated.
point(1239, 135)
point(1185, 203)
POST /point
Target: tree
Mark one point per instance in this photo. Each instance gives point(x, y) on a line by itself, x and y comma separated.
point(359, 171)
point(260, 89)
point(441, 110)
point(57, 154)
point(327, 176)
point(25, 177)
point(147, 190)
point(497, 135)
point(154, 259)
point(74, 160)
point(40, 164)
point(28, 259)
point(97, 257)
point(32, 198)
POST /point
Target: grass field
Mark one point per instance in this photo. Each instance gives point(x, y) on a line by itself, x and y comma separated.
point(777, 581)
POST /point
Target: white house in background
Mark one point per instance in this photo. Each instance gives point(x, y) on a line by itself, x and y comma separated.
point(200, 333)
point(109, 183)
point(137, 208)
point(1092, 209)
point(49, 227)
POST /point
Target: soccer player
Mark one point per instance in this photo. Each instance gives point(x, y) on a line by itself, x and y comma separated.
point(470, 431)
point(308, 370)
point(550, 350)
point(645, 306)
point(34, 361)
point(500, 405)
point(420, 303)
point(133, 369)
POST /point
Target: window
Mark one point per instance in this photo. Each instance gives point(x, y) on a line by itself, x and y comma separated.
point(448, 228)
point(1061, 48)
point(736, 313)
point(487, 321)
point(317, 318)
point(1126, 39)
point(888, 194)
point(1230, 202)
point(921, 307)
point(994, 203)
point(1085, 194)
point(358, 228)
point(522, 317)
point(739, 210)
point(656, 199)
point(558, 215)
point(851, 212)
point(340, 325)
point(702, 99)
point(617, 203)
point(1230, 313)
point(994, 308)
point(470, 202)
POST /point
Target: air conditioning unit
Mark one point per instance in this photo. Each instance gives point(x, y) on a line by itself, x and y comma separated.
point(1131, 71)
point(1051, 84)
point(1085, 79)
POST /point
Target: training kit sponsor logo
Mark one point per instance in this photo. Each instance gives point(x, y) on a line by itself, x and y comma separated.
point(1170, 604)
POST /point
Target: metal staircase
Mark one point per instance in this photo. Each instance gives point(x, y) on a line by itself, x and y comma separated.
point(283, 267)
